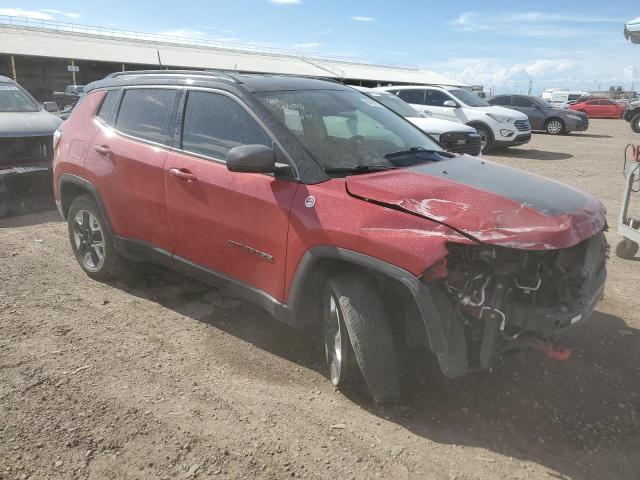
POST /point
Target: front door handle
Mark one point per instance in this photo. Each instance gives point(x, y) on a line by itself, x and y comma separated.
point(103, 150)
point(183, 174)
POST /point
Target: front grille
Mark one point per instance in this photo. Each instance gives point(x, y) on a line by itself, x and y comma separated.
point(461, 142)
point(522, 125)
point(20, 150)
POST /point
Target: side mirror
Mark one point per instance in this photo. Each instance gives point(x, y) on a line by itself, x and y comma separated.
point(253, 159)
point(50, 106)
point(450, 104)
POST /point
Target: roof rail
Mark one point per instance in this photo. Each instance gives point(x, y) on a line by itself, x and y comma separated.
point(219, 73)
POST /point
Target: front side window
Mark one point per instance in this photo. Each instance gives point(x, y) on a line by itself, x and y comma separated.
point(347, 129)
point(12, 99)
point(412, 96)
point(215, 123)
point(436, 98)
point(522, 102)
point(468, 98)
point(394, 103)
point(145, 113)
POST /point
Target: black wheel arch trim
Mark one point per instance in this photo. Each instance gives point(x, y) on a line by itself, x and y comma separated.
point(68, 178)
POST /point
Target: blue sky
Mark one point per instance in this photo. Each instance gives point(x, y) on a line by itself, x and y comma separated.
point(499, 44)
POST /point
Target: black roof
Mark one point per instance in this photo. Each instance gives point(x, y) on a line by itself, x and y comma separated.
point(213, 78)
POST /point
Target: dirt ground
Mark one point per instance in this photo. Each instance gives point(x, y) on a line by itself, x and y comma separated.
point(158, 376)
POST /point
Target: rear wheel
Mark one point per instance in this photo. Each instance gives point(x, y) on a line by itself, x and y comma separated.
point(554, 126)
point(90, 240)
point(635, 123)
point(355, 323)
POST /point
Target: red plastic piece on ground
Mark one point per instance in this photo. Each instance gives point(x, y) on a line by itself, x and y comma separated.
point(557, 353)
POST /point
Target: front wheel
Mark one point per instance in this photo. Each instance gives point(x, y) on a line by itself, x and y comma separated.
point(554, 127)
point(355, 323)
point(91, 242)
point(635, 123)
point(486, 138)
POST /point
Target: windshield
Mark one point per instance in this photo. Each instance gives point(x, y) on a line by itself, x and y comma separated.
point(394, 103)
point(12, 99)
point(469, 98)
point(348, 130)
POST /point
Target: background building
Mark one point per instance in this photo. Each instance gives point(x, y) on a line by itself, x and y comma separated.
point(45, 56)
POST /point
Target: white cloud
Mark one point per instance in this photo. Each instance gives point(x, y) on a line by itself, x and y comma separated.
point(306, 46)
point(50, 10)
point(72, 15)
point(19, 12)
point(529, 24)
point(364, 19)
point(286, 2)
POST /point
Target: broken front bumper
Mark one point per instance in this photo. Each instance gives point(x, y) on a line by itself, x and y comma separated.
point(26, 189)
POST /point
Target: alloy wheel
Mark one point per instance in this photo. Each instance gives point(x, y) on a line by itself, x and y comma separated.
point(554, 127)
point(89, 239)
point(335, 341)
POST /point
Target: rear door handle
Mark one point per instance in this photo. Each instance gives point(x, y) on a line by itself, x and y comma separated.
point(103, 150)
point(183, 174)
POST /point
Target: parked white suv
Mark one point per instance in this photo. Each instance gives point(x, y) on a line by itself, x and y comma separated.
point(454, 136)
point(498, 127)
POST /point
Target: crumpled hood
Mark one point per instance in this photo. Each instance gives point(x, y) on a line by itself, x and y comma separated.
point(28, 124)
point(492, 203)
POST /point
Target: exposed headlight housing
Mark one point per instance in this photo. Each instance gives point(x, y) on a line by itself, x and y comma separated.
point(574, 117)
point(501, 118)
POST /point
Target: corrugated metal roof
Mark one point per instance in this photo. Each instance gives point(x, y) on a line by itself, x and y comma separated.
point(24, 36)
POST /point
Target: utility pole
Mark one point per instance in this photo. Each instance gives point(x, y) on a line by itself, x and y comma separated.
point(530, 86)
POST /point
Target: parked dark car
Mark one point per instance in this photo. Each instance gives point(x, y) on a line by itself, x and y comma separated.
point(69, 97)
point(632, 115)
point(542, 115)
point(26, 150)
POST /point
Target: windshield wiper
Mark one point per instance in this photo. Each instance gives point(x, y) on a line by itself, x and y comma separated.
point(409, 151)
point(359, 169)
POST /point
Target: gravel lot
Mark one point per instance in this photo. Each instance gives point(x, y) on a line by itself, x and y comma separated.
point(158, 376)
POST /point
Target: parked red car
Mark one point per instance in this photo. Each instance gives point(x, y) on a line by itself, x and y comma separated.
point(599, 108)
point(325, 207)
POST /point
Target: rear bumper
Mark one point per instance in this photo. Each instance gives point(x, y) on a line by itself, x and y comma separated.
point(25, 189)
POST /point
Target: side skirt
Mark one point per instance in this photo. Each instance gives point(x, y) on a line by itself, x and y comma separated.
point(142, 251)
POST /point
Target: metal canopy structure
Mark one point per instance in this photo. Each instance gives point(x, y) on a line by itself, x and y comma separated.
point(31, 37)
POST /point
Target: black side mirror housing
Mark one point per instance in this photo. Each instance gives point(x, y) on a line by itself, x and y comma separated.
point(253, 159)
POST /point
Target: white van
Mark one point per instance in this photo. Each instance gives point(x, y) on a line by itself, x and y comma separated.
point(498, 127)
point(562, 96)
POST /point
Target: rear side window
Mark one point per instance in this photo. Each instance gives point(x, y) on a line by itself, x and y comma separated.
point(145, 113)
point(108, 107)
point(215, 123)
point(412, 96)
point(504, 100)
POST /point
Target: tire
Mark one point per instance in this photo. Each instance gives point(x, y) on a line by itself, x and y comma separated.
point(369, 333)
point(635, 123)
point(554, 126)
point(626, 249)
point(91, 242)
point(486, 137)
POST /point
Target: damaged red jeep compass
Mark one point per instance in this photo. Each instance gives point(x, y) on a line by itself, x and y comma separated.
point(323, 206)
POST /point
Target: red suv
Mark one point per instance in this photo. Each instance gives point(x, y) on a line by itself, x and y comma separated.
point(325, 207)
point(599, 108)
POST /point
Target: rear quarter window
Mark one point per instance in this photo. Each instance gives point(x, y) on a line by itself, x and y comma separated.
point(108, 107)
point(145, 113)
